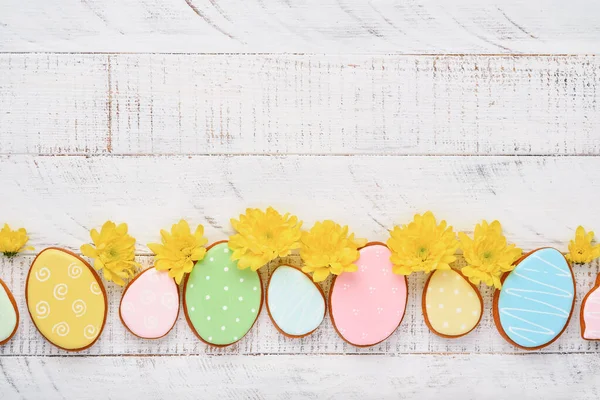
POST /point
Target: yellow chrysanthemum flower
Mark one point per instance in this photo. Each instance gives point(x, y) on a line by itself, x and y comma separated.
point(327, 248)
point(179, 250)
point(488, 255)
point(114, 252)
point(581, 250)
point(13, 242)
point(263, 236)
point(422, 245)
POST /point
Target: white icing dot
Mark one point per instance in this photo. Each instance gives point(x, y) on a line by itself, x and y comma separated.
point(445, 324)
point(470, 294)
point(253, 310)
point(441, 290)
point(428, 306)
point(463, 327)
point(240, 298)
point(458, 310)
point(225, 250)
point(457, 278)
point(193, 308)
point(444, 274)
point(207, 297)
point(428, 289)
point(224, 308)
point(254, 288)
point(456, 291)
point(474, 313)
point(208, 318)
point(440, 306)
point(235, 338)
point(210, 338)
point(191, 286)
point(207, 277)
point(226, 269)
point(226, 288)
point(212, 259)
point(237, 320)
point(223, 328)
point(241, 279)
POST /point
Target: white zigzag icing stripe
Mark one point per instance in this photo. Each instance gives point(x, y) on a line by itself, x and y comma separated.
point(517, 313)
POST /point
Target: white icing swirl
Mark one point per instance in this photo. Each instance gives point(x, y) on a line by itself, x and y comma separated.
point(148, 297)
point(61, 329)
point(150, 322)
point(79, 308)
point(169, 301)
point(43, 274)
point(60, 291)
point(95, 288)
point(90, 332)
point(74, 271)
point(42, 310)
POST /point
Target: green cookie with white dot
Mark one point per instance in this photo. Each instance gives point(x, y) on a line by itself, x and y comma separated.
point(221, 301)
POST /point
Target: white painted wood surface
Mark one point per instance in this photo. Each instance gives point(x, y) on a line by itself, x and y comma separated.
point(353, 113)
point(299, 104)
point(303, 26)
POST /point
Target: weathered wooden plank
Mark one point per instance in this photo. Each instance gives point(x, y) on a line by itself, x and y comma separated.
point(299, 104)
point(60, 198)
point(54, 104)
point(319, 26)
point(412, 337)
point(540, 200)
point(312, 377)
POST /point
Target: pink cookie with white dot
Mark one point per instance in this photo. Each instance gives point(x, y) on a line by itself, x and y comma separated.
point(368, 305)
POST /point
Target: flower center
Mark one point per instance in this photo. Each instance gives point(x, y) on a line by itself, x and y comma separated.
point(423, 253)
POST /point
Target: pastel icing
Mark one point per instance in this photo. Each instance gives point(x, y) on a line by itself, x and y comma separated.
point(150, 304)
point(452, 306)
point(65, 299)
point(295, 303)
point(591, 314)
point(368, 305)
point(222, 301)
point(536, 299)
point(9, 316)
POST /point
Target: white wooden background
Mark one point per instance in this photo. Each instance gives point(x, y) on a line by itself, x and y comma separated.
point(363, 111)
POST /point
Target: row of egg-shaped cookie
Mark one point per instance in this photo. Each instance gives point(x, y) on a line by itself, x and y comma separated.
point(68, 304)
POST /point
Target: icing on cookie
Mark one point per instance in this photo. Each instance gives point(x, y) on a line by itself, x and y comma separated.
point(590, 314)
point(9, 315)
point(536, 300)
point(221, 301)
point(453, 307)
point(295, 303)
point(368, 305)
point(150, 304)
point(65, 299)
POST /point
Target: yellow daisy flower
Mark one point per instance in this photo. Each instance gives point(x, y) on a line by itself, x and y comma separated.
point(327, 248)
point(179, 250)
point(422, 245)
point(263, 236)
point(113, 252)
point(488, 255)
point(13, 242)
point(581, 250)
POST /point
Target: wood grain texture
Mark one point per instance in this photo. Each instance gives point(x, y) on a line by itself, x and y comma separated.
point(539, 200)
point(412, 337)
point(556, 376)
point(299, 104)
point(317, 26)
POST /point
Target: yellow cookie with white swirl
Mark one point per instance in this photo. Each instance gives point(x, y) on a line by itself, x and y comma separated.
point(66, 299)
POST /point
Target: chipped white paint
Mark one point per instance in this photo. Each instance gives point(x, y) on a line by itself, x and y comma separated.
point(299, 104)
point(317, 26)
